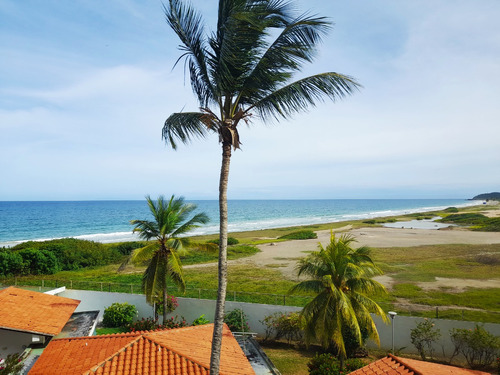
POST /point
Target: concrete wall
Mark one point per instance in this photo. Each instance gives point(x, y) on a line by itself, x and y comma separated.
point(191, 309)
point(12, 342)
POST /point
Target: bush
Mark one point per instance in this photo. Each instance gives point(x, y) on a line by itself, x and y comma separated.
point(172, 304)
point(200, 321)
point(371, 221)
point(38, 262)
point(451, 209)
point(280, 325)
point(126, 248)
point(328, 364)
point(73, 254)
point(11, 263)
point(230, 241)
point(478, 346)
point(237, 321)
point(423, 336)
point(353, 347)
point(119, 315)
point(299, 235)
point(11, 365)
point(150, 324)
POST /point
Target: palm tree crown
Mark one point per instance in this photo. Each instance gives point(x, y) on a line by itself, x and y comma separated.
point(341, 277)
point(240, 70)
point(171, 222)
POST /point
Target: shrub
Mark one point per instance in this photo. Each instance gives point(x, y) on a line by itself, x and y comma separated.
point(289, 325)
point(200, 321)
point(38, 262)
point(353, 347)
point(11, 365)
point(237, 321)
point(371, 221)
point(119, 315)
point(172, 304)
point(451, 209)
point(299, 235)
point(230, 241)
point(145, 324)
point(73, 254)
point(478, 346)
point(11, 263)
point(126, 248)
point(328, 364)
point(423, 336)
point(150, 324)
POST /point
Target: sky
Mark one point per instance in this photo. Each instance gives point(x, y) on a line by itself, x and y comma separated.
point(86, 85)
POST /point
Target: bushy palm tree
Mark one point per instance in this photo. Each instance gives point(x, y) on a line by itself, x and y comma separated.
point(245, 68)
point(171, 222)
point(342, 278)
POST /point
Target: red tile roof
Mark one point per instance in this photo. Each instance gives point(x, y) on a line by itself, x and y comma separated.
point(181, 351)
point(28, 311)
point(392, 365)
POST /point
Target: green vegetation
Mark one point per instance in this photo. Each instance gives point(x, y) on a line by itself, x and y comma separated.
point(299, 235)
point(230, 241)
point(237, 321)
point(340, 276)
point(478, 221)
point(171, 222)
point(49, 257)
point(118, 315)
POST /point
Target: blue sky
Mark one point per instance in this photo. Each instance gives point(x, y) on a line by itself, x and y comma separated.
point(85, 87)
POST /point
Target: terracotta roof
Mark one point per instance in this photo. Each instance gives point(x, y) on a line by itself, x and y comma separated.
point(25, 310)
point(181, 351)
point(392, 365)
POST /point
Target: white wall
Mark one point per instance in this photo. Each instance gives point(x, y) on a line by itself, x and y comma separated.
point(12, 342)
point(191, 309)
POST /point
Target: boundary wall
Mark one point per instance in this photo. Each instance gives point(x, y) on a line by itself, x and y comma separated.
point(191, 308)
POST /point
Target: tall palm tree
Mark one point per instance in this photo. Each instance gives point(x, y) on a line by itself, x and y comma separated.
point(170, 223)
point(342, 278)
point(245, 68)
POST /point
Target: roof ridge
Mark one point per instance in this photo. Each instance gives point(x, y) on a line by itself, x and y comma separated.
point(401, 362)
point(95, 337)
point(118, 352)
point(176, 352)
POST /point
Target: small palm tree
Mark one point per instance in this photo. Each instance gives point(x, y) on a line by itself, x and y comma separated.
point(341, 277)
point(170, 223)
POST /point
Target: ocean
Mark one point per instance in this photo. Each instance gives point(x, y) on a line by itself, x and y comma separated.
point(109, 221)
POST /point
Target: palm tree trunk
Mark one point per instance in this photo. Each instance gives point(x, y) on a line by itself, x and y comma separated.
point(164, 302)
point(221, 292)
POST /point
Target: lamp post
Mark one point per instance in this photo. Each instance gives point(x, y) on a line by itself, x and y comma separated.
point(392, 314)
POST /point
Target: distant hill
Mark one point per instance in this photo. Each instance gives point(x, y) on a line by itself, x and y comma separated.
point(486, 196)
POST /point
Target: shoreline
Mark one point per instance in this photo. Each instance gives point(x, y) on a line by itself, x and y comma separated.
point(119, 237)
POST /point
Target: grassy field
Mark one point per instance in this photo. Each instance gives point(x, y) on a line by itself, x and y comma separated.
point(408, 267)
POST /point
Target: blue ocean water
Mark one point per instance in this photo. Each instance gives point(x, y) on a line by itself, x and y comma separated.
point(109, 221)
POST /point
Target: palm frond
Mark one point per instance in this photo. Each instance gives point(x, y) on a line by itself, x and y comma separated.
point(188, 25)
point(294, 46)
point(175, 271)
point(184, 126)
point(143, 254)
point(302, 94)
point(153, 278)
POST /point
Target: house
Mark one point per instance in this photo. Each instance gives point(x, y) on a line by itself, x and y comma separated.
point(182, 351)
point(30, 318)
point(392, 365)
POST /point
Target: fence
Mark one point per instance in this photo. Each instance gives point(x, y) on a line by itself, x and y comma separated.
point(434, 312)
point(198, 293)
